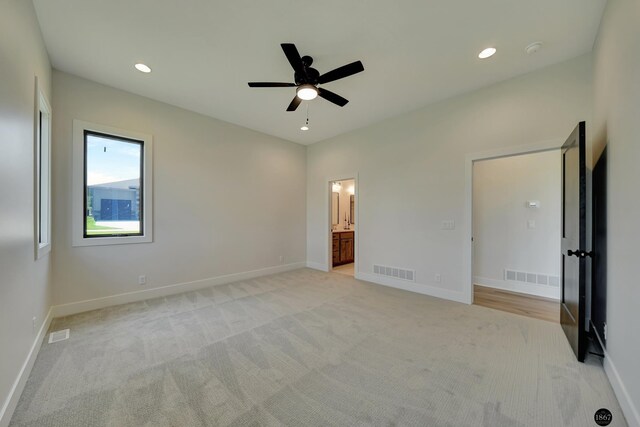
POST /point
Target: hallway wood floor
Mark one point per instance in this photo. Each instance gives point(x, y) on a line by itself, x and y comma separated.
point(513, 302)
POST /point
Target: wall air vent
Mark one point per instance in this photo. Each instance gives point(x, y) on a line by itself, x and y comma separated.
point(532, 278)
point(395, 272)
point(58, 336)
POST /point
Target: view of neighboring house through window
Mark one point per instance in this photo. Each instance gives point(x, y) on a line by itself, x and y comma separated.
point(113, 173)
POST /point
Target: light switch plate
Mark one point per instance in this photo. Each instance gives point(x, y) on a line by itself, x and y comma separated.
point(448, 225)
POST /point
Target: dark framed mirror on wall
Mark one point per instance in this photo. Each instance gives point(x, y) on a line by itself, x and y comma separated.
point(352, 210)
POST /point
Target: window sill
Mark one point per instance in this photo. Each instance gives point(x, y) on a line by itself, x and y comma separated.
point(105, 241)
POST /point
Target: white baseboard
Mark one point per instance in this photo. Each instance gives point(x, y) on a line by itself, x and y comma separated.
point(628, 407)
point(419, 288)
point(317, 266)
point(18, 386)
point(97, 303)
point(523, 288)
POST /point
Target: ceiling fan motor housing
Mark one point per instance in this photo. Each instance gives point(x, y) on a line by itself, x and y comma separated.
point(308, 79)
point(311, 75)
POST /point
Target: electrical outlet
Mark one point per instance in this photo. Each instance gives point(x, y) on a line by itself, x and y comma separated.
point(34, 321)
point(605, 331)
point(437, 278)
point(142, 280)
point(281, 259)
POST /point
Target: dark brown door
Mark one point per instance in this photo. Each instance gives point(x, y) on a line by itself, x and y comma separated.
point(574, 195)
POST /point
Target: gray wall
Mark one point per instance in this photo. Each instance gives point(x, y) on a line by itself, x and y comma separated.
point(617, 123)
point(226, 199)
point(412, 169)
point(24, 283)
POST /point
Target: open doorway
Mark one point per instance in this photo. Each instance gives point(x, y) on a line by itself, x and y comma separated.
point(342, 242)
point(516, 220)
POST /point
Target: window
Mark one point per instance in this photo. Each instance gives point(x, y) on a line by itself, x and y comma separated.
point(42, 176)
point(112, 186)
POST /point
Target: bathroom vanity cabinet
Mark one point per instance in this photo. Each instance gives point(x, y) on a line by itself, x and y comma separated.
point(343, 247)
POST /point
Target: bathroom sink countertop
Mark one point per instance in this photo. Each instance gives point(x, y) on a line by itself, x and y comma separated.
point(341, 231)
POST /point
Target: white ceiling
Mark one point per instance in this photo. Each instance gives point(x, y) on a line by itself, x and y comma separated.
point(415, 52)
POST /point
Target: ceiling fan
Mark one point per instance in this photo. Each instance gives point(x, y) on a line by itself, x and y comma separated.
point(307, 79)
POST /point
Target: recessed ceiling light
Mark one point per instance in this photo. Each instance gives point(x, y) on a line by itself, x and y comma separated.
point(488, 52)
point(142, 67)
point(304, 128)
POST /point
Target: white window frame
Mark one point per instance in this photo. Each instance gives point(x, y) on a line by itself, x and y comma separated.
point(78, 214)
point(42, 175)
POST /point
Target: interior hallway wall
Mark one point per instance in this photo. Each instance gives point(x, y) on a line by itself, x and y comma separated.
point(503, 237)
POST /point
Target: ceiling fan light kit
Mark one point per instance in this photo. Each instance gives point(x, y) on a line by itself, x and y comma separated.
point(307, 92)
point(307, 79)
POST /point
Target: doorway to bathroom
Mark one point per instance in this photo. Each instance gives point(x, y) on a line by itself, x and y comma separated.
point(342, 238)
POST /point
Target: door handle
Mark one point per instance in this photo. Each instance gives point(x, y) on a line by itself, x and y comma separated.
point(579, 253)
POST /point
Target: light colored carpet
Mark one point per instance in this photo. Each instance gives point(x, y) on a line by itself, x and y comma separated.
point(310, 348)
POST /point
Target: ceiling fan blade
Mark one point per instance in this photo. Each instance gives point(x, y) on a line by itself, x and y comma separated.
point(341, 72)
point(332, 97)
point(292, 54)
point(294, 103)
point(270, 84)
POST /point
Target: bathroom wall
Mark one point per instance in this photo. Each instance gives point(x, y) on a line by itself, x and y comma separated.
point(345, 206)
